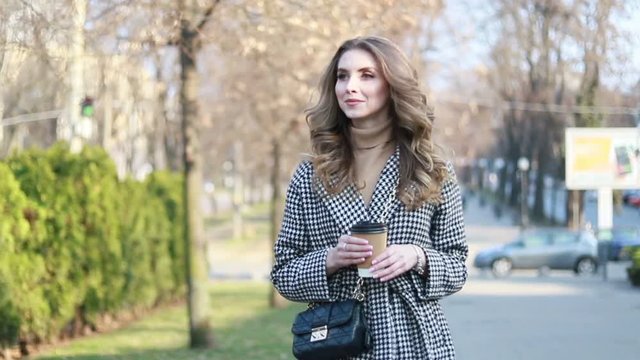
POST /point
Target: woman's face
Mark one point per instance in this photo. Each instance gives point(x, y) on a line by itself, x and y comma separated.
point(361, 90)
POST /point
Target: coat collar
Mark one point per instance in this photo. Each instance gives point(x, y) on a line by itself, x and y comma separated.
point(348, 208)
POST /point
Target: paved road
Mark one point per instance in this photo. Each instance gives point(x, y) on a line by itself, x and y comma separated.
point(551, 318)
point(534, 316)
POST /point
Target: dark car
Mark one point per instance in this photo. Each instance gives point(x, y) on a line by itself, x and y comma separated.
point(621, 239)
point(631, 198)
point(553, 248)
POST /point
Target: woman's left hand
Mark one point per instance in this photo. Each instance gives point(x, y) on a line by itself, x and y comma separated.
point(393, 262)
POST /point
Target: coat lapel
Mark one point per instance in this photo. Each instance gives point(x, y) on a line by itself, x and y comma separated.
point(347, 207)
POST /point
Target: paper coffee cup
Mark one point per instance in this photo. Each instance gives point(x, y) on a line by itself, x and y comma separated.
point(376, 234)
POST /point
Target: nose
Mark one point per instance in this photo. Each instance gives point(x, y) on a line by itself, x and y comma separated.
point(351, 85)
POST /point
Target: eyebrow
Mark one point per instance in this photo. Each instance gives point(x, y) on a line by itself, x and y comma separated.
point(366, 68)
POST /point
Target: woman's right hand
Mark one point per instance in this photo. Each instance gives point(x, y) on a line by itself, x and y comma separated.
point(349, 251)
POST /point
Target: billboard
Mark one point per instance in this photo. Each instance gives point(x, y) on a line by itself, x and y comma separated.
point(602, 158)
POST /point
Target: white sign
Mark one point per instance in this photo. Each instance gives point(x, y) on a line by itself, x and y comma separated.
point(602, 158)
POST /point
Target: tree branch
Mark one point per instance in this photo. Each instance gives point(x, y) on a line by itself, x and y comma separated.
point(207, 15)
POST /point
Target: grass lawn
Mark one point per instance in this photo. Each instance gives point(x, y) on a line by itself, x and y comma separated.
point(244, 328)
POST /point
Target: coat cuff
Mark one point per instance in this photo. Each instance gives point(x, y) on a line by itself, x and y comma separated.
point(309, 280)
point(435, 275)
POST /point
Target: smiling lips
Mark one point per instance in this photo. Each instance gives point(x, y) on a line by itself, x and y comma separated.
point(353, 101)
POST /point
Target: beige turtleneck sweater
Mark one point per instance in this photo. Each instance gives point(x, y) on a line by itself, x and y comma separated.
point(372, 147)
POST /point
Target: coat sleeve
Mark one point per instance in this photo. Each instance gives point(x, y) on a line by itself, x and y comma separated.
point(299, 273)
point(446, 269)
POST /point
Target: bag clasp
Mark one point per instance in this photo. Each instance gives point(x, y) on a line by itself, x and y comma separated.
point(319, 333)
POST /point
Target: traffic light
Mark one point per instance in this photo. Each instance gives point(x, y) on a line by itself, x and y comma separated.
point(86, 107)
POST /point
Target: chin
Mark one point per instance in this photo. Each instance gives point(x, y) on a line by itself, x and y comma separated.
point(354, 115)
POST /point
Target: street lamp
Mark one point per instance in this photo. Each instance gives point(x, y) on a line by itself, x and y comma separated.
point(523, 167)
point(482, 164)
point(498, 165)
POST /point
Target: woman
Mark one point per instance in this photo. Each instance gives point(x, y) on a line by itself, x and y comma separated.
point(373, 153)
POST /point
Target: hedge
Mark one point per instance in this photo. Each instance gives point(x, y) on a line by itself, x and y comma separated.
point(76, 243)
point(634, 270)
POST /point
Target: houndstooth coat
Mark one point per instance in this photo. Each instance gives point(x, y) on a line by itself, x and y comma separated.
point(404, 316)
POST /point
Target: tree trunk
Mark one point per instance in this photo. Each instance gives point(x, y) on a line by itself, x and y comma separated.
point(6, 354)
point(200, 331)
point(544, 158)
point(1, 116)
point(108, 120)
point(276, 300)
point(17, 137)
point(575, 209)
point(160, 122)
point(502, 184)
point(238, 189)
point(538, 197)
point(76, 72)
point(514, 197)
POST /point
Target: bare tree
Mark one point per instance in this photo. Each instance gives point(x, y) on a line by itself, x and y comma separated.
point(533, 66)
point(191, 25)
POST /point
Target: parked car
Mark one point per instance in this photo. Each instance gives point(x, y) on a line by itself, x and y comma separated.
point(631, 198)
point(622, 239)
point(553, 248)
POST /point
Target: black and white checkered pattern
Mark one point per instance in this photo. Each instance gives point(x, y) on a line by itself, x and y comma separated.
point(403, 314)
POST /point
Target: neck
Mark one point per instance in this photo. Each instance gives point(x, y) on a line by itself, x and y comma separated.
point(371, 137)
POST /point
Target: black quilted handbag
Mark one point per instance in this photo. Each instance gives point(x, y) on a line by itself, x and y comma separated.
point(333, 330)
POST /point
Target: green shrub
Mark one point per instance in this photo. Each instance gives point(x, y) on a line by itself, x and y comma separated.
point(138, 277)
point(634, 270)
point(43, 176)
point(95, 182)
point(11, 228)
point(168, 187)
point(9, 318)
point(21, 264)
point(77, 243)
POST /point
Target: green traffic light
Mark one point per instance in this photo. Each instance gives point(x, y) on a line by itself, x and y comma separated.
point(88, 110)
point(86, 107)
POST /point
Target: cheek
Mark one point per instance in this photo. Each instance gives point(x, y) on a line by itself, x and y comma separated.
point(382, 92)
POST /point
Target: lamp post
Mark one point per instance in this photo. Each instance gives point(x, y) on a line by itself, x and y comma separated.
point(523, 167)
point(498, 165)
point(482, 164)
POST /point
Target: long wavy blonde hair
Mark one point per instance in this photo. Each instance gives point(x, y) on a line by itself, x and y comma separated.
point(422, 171)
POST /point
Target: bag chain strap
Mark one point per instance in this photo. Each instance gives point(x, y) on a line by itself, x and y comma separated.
point(392, 196)
point(358, 293)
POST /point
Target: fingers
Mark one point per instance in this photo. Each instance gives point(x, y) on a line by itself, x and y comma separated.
point(351, 250)
point(352, 246)
point(393, 262)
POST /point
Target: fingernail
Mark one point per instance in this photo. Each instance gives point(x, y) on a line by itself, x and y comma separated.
point(374, 262)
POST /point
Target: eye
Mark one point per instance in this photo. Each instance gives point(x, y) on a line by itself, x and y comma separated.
point(341, 76)
point(368, 75)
